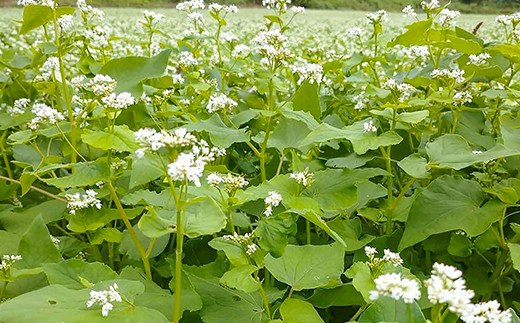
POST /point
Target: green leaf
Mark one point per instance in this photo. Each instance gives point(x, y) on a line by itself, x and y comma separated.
point(514, 250)
point(36, 247)
point(154, 225)
point(415, 165)
point(74, 273)
point(308, 267)
point(108, 235)
point(234, 252)
point(288, 133)
point(351, 232)
point(415, 34)
point(56, 303)
point(510, 130)
point(35, 16)
point(297, 311)
point(282, 184)
point(130, 71)
point(84, 175)
point(145, 170)
point(127, 246)
point(222, 304)
point(220, 134)
point(122, 139)
point(344, 295)
point(306, 98)
point(387, 309)
point(92, 219)
point(240, 278)
point(362, 279)
point(447, 204)
point(204, 218)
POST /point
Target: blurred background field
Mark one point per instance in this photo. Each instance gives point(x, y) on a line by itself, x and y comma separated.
point(465, 6)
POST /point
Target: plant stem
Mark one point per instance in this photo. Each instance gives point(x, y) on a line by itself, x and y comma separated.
point(308, 230)
point(131, 230)
point(266, 302)
point(178, 257)
point(358, 313)
point(37, 189)
point(409, 312)
point(389, 184)
point(3, 291)
point(4, 155)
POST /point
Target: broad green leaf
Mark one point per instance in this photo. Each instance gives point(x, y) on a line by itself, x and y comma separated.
point(362, 279)
point(108, 235)
point(234, 252)
point(36, 247)
point(453, 151)
point(154, 225)
point(240, 278)
point(308, 267)
point(122, 139)
point(274, 232)
point(288, 133)
point(307, 99)
point(298, 311)
point(447, 204)
point(351, 232)
point(415, 165)
point(344, 295)
point(221, 135)
point(222, 304)
point(510, 129)
point(145, 170)
point(204, 218)
point(282, 184)
point(84, 175)
point(127, 246)
point(56, 303)
point(76, 274)
point(130, 71)
point(35, 16)
point(415, 34)
point(514, 250)
point(92, 219)
point(387, 309)
point(147, 197)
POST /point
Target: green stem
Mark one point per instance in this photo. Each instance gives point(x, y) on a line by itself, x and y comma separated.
point(3, 291)
point(178, 257)
point(390, 184)
point(409, 312)
point(266, 302)
point(358, 313)
point(37, 189)
point(308, 230)
point(4, 155)
point(131, 230)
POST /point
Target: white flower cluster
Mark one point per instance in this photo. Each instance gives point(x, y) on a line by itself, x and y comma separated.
point(8, 261)
point(221, 102)
point(463, 97)
point(191, 5)
point(479, 59)
point(19, 107)
point(355, 32)
point(102, 85)
point(240, 50)
point(50, 70)
point(217, 8)
point(447, 17)
point(430, 6)
point(303, 178)
point(65, 22)
point(152, 140)
point(272, 200)
point(271, 43)
point(99, 35)
point(369, 126)
point(186, 59)
point(455, 74)
point(446, 285)
point(44, 114)
point(298, 10)
point(402, 90)
point(313, 73)
point(104, 298)
point(48, 3)
point(89, 10)
point(420, 51)
point(231, 183)
point(409, 12)
point(246, 241)
point(388, 257)
point(486, 312)
point(276, 4)
point(507, 20)
point(377, 17)
point(77, 202)
point(150, 17)
point(397, 287)
point(361, 101)
point(118, 101)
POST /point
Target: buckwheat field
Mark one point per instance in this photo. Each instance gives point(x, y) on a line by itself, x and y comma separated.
point(201, 164)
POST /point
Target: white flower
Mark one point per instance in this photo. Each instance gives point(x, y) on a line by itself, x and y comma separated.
point(214, 179)
point(392, 257)
point(298, 10)
point(190, 6)
point(8, 261)
point(479, 59)
point(402, 90)
point(355, 32)
point(251, 249)
point(18, 107)
point(463, 97)
point(240, 50)
point(187, 59)
point(430, 6)
point(503, 19)
point(447, 17)
point(221, 102)
point(47, 3)
point(486, 312)
point(276, 4)
point(370, 252)
point(409, 12)
point(455, 74)
point(313, 73)
point(477, 152)
point(420, 51)
point(120, 101)
point(303, 178)
point(104, 298)
point(44, 113)
point(369, 127)
point(377, 17)
point(272, 200)
point(102, 85)
point(50, 69)
point(77, 202)
point(397, 287)
point(361, 101)
point(187, 166)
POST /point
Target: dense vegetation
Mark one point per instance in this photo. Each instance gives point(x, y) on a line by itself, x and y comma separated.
point(206, 167)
